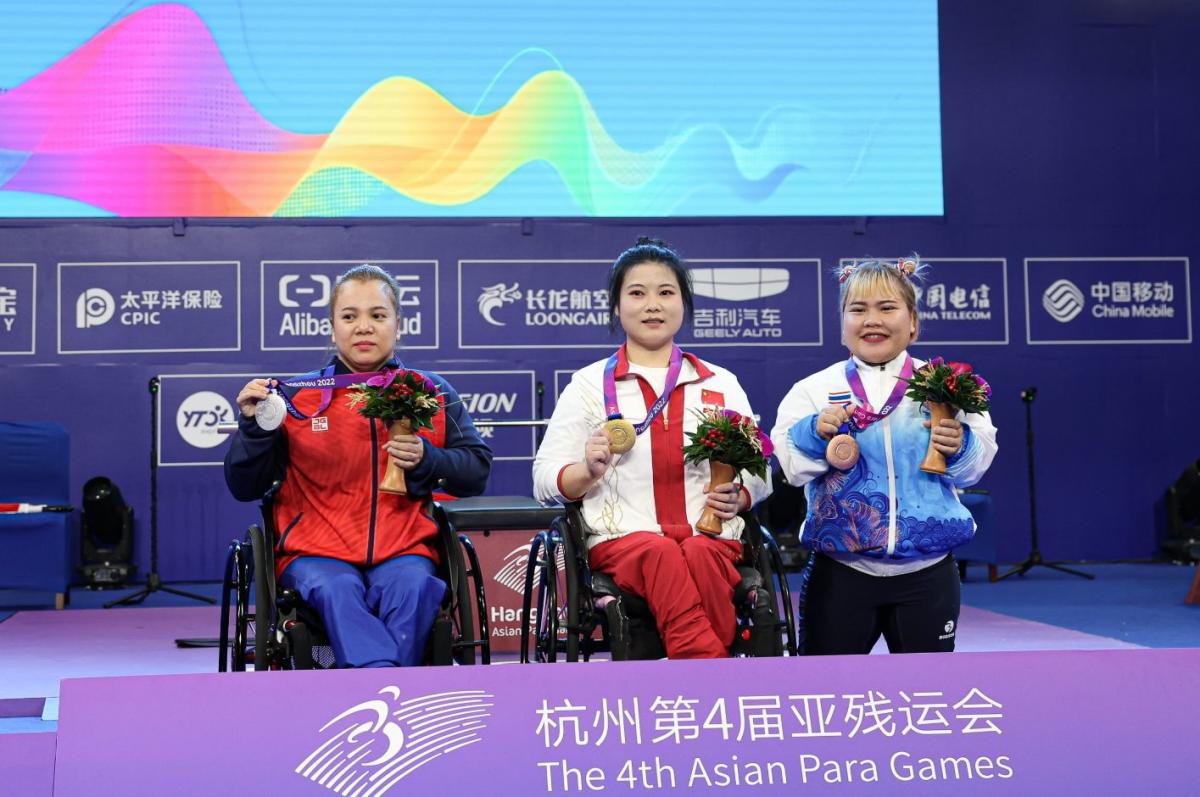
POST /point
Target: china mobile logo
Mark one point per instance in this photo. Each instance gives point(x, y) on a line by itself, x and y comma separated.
point(1063, 300)
point(94, 307)
point(492, 297)
point(376, 744)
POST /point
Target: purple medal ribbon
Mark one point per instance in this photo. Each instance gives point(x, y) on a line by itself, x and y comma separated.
point(327, 382)
point(864, 415)
point(613, 411)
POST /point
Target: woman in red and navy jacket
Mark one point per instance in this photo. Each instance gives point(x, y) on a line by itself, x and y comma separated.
point(363, 559)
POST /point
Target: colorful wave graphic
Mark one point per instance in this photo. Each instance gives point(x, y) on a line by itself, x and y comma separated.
point(146, 119)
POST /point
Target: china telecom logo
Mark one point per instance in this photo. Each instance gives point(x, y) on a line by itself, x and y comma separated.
point(1063, 300)
point(372, 746)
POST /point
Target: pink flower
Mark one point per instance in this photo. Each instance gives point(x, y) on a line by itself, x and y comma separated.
point(733, 415)
point(382, 379)
point(958, 369)
point(934, 363)
point(768, 447)
point(983, 385)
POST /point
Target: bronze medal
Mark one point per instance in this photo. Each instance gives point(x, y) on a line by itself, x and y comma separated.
point(842, 452)
point(621, 435)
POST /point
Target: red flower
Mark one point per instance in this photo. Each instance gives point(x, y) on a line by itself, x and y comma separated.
point(951, 384)
point(958, 369)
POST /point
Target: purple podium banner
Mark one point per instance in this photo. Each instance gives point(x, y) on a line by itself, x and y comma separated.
point(137, 307)
point(964, 300)
point(27, 764)
point(1072, 300)
point(563, 304)
point(1015, 723)
point(18, 308)
point(295, 294)
point(500, 396)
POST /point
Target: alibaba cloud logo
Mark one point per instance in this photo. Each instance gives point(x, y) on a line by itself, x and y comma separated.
point(492, 297)
point(1063, 300)
point(370, 747)
point(739, 284)
point(94, 307)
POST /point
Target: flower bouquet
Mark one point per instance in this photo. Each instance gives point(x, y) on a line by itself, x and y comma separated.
point(946, 387)
point(403, 400)
point(731, 443)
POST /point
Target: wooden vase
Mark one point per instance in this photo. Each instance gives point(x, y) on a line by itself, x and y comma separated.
point(935, 461)
point(393, 477)
point(720, 473)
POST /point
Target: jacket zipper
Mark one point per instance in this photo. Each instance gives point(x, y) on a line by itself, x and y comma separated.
point(374, 491)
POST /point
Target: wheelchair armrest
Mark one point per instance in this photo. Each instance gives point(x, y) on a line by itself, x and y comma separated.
point(492, 512)
point(603, 585)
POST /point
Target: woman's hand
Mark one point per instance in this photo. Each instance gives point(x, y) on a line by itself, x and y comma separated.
point(947, 436)
point(597, 454)
point(726, 500)
point(255, 391)
point(406, 449)
point(831, 419)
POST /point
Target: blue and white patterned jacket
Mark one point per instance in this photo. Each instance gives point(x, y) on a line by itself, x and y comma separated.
point(884, 507)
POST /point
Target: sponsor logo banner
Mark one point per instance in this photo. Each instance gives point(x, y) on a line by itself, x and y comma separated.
point(134, 307)
point(18, 308)
point(563, 304)
point(192, 408)
point(295, 297)
point(1075, 300)
point(500, 396)
point(730, 726)
point(964, 300)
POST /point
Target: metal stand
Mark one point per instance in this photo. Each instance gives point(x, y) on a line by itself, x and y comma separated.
point(153, 582)
point(1035, 555)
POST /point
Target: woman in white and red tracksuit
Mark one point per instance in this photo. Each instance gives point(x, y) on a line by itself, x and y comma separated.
point(641, 506)
point(363, 559)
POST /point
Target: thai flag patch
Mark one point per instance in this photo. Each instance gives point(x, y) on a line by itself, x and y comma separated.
point(844, 397)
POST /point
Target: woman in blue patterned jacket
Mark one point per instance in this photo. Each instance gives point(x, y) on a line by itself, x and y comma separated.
point(881, 530)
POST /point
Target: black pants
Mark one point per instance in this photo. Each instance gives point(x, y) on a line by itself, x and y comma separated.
point(845, 610)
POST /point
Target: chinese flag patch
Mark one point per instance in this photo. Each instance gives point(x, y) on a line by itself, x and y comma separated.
point(712, 397)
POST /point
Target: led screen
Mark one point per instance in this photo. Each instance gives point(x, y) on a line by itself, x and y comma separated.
point(232, 108)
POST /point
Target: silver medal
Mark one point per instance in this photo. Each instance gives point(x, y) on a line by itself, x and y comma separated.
point(270, 412)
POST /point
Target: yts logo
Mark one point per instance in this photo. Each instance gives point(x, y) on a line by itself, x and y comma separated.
point(199, 416)
point(94, 307)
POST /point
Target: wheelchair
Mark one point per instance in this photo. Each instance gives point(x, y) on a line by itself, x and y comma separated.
point(274, 629)
point(569, 610)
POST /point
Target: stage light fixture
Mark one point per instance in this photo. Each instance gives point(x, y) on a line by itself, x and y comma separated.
point(107, 535)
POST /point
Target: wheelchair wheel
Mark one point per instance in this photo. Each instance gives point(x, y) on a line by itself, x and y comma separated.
point(775, 575)
point(238, 566)
point(580, 615)
point(468, 576)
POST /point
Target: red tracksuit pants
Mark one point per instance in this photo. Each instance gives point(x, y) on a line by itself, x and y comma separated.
point(688, 586)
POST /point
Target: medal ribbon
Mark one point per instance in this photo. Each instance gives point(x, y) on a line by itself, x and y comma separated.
point(864, 414)
point(327, 382)
point(613, 411)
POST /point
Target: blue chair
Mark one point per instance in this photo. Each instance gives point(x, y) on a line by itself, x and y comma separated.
point(982, 547)
point(34, 469)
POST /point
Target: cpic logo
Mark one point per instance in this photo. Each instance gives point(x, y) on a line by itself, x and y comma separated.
point(739, 284)
point(376, 744)
point(1063, 300)
point(94, 307)
point(492, 297)
point(198, 418)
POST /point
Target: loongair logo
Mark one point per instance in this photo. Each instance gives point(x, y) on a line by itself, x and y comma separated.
point(739, 284)
point(1063, 300)
point(199, 416)
point(492, 297)
point(376, 744)
point(94, 307)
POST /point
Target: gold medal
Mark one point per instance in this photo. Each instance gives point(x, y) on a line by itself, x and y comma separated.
point(842, 452)
point(621, 435)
